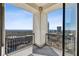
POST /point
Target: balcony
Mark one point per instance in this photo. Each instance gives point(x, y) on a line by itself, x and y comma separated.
point(41, 43)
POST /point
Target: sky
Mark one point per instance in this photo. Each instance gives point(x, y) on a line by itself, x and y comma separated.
point(55, 18)
point(70, 16)
point(19, 19)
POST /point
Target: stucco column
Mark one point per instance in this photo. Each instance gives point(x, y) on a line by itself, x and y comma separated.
point(36, 28)
point(40, 28)
point(44, 28)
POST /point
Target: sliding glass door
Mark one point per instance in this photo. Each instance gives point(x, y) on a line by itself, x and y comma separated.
point(70, 29)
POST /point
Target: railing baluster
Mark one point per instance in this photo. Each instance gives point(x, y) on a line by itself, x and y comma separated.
point(18, 42)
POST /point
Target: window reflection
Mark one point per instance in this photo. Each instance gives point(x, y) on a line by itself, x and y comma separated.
point(70, 29)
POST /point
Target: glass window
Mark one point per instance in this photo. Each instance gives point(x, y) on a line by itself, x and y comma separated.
point(70, 29)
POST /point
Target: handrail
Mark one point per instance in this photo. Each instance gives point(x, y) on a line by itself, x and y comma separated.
point(54, 40)
point(18, 42)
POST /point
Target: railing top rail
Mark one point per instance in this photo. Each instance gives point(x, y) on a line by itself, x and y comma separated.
point(19, 36)
point(53, 33)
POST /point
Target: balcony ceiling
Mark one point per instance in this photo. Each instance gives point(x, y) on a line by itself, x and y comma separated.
point(34, 7)
point(43, 5)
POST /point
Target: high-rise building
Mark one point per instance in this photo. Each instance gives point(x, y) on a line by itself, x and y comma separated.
point(48, 26)
point(58, 28)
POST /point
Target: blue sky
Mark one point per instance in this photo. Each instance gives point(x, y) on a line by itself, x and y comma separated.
point(17, 18)
point(55, 19)
point(70, 16)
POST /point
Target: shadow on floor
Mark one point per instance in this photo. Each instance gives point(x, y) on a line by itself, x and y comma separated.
point(46, 50)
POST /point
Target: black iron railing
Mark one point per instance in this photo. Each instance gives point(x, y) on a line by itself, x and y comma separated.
point(54, 40)
point(14, 43)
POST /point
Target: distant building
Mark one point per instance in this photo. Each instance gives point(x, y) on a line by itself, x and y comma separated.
point(58, 28)
point(48, 26)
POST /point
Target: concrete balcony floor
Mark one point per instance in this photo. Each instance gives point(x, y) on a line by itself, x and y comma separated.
point(47, 51)
point(35, 51)
point(44, 51)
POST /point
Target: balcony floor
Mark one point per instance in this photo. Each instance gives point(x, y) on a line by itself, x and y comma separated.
point(46, 50)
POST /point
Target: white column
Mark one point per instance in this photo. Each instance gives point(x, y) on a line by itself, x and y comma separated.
point(36, 29)
point(40, 28)
point(44, 28)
